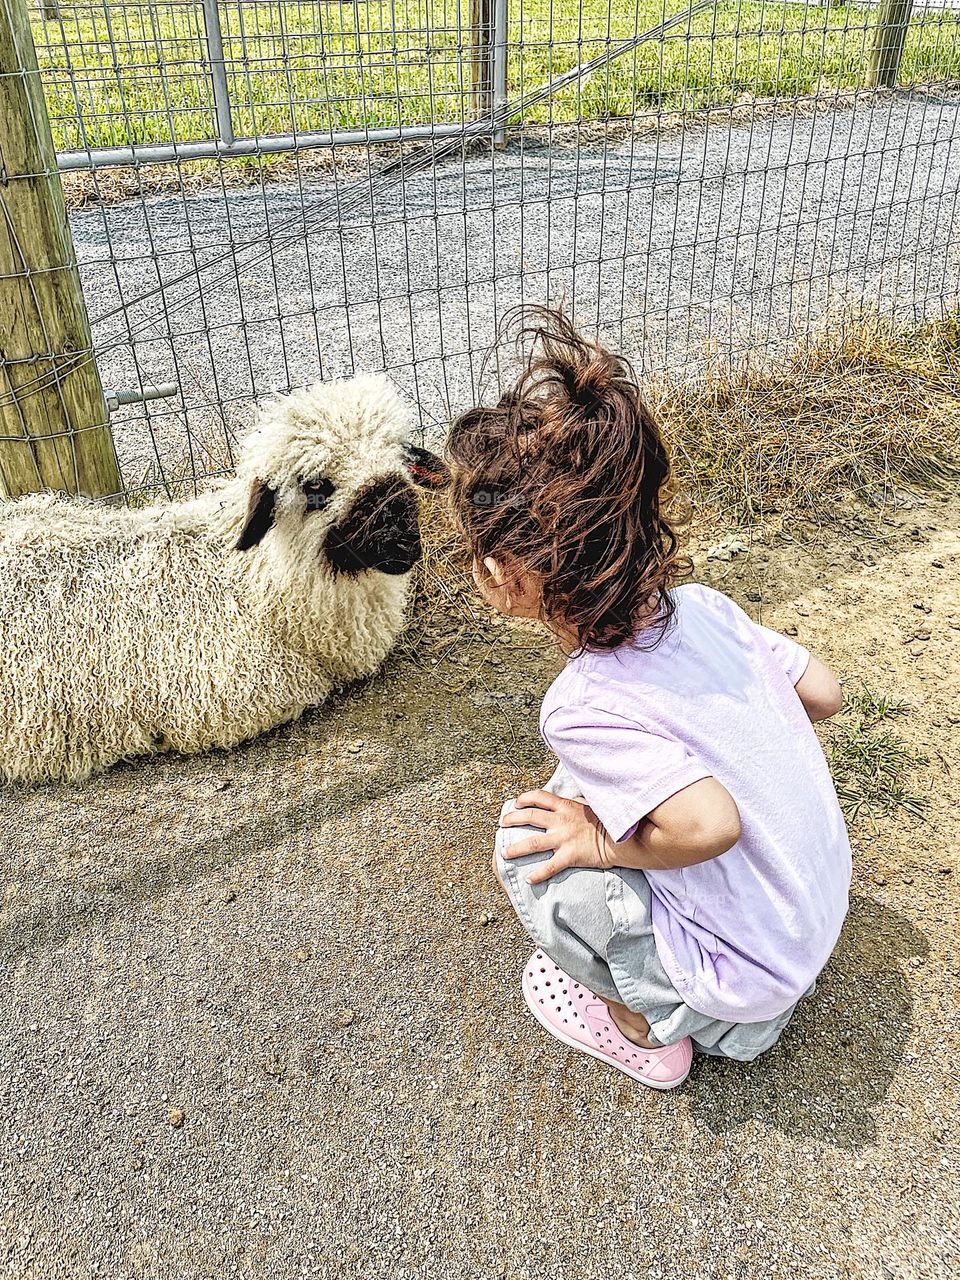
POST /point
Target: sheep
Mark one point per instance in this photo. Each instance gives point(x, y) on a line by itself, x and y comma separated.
point(199, 624)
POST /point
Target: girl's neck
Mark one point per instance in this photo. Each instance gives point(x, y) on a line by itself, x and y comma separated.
point(565, 636)
point(568, 639)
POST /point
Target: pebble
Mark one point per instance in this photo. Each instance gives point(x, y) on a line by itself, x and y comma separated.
point(727, 549)
point(346, 1018)
point(176, 1117)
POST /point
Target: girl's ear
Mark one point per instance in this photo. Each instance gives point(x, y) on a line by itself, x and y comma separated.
point(497, 575)
point(425, 468)
point(259, 519)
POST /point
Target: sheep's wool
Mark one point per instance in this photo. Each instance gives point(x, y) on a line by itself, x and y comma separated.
point(133, 631)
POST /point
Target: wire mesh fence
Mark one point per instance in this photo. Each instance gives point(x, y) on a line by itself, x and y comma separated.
point(265, 193)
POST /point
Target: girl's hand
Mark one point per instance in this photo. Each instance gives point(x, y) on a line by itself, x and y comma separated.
point(568, 828)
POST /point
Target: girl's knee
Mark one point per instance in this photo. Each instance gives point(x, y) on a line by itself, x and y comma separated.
point(503, 838)
point(496, 870)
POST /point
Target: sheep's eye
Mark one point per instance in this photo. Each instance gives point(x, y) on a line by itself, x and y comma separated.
point(317, 493)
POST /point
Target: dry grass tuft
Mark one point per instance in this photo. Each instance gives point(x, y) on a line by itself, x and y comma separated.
point(862, 410)
point(446, 600)
point(465, 646)
point(450, 626)
point(183, 478)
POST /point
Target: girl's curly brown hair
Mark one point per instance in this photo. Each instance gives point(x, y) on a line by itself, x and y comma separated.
point(566, 477)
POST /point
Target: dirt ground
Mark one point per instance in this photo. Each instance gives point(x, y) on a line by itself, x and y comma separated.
point(261, 1012)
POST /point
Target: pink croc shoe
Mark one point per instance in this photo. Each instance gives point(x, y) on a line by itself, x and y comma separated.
point(580, 1019)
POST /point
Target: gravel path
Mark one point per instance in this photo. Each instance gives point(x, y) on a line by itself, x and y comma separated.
point(708, 239)
point(261, 1014)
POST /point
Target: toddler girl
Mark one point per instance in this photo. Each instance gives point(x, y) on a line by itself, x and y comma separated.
point(684, 873)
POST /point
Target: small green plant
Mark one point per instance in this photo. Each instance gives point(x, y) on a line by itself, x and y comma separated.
point(873, 707)
point(871, 763)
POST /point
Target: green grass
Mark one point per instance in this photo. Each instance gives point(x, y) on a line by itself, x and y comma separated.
point(872, 707)
point(871, 763)
point(326, 66)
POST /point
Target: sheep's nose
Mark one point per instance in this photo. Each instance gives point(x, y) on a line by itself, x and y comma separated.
point(380, 530)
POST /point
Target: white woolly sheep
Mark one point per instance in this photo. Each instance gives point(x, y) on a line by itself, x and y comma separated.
point(197, 624)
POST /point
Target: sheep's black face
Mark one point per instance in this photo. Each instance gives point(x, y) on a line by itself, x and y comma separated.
point(379, 531)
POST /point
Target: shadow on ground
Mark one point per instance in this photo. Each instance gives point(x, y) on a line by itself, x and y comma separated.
point(830, 1073)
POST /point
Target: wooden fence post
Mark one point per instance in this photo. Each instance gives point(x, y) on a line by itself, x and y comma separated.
point(488, 62)
point(54, 422)
point(481, 62)
point(889, 36)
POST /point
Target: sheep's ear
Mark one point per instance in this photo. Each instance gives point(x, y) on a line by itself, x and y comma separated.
point(263, 499)
point(425, 468)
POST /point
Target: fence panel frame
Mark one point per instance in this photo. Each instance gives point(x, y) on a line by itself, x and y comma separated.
point(425, 142)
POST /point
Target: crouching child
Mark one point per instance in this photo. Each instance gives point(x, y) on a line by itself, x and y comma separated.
point(684, 874)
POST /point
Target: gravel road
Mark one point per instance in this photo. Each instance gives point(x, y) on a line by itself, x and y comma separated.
point(261, 1016)
point(709, 239)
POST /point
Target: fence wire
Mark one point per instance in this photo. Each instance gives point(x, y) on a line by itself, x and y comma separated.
point(266, 193)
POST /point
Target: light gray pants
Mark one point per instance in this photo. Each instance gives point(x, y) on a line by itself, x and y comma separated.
point(596, 925)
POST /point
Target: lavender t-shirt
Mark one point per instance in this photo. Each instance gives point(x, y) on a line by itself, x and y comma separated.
point(743, 935)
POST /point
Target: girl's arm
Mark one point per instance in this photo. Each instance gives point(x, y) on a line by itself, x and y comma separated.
point(697, 824)
point(819, 691)
point(694, 825)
